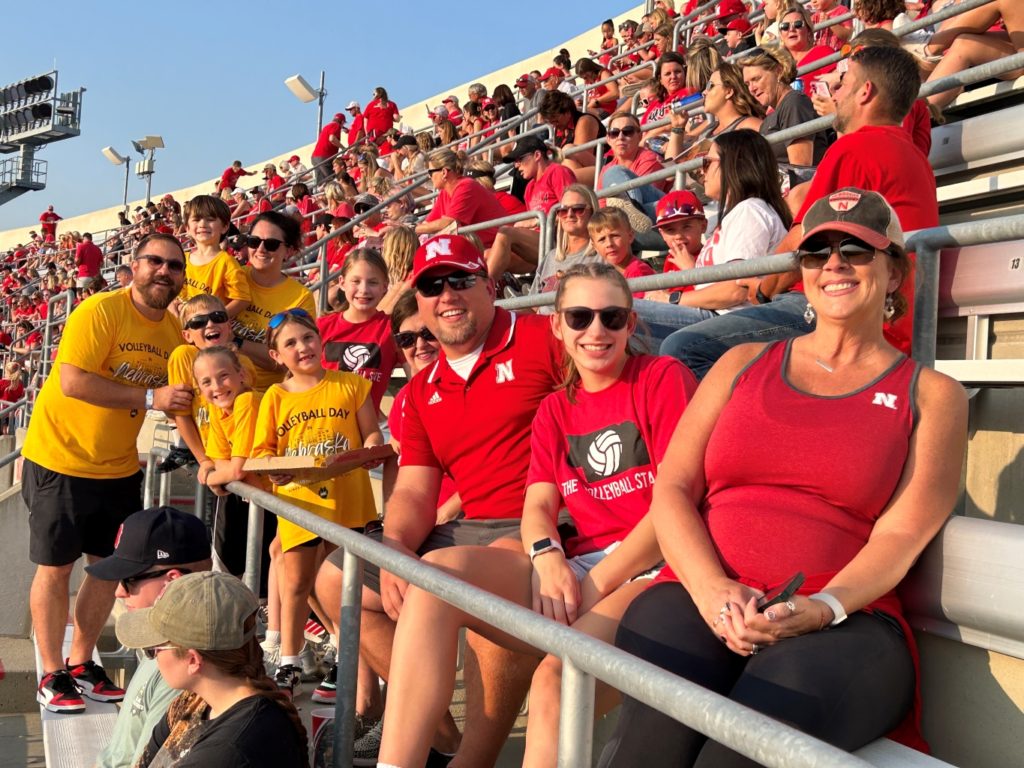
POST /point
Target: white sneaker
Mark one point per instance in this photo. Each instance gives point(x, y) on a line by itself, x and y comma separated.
point(307, 660)
point(271, 656)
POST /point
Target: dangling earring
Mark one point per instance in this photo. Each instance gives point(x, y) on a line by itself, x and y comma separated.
point(890, 307)
point(809, 315)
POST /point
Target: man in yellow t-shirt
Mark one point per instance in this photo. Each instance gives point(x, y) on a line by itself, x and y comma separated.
point(81, 477)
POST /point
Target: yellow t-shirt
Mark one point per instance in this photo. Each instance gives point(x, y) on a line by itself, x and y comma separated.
point(108, 336)
point(231, 434)
point(318, 422)
point(223, 277)
point(264, 303)
point(179, 371)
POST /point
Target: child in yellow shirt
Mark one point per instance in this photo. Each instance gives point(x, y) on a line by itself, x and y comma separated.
point(312, 412)
point(209, 268)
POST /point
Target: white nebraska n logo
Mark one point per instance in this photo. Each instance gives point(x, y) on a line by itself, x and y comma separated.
point(884, 398)
point(504, 372)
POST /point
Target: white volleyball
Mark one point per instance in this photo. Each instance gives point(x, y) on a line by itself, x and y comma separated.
point(605, 453)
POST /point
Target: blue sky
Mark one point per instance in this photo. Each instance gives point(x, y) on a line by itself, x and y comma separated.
point(208, 77)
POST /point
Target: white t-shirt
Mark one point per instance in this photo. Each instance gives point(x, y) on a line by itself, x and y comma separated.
point(750, 229)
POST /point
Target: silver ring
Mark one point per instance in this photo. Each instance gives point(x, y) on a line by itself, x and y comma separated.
point(754, 650)
point(791, 605)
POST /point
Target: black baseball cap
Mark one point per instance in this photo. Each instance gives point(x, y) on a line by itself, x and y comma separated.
point(154, 536)
point(525, 146)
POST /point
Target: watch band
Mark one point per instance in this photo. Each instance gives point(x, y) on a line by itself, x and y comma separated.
point(541, 546)
point(832, 602)
point(761, 297)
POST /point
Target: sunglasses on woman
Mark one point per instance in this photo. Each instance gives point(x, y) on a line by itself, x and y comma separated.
point(787, 25)
point(407, 339)
point(270, 244)
point(854, 252)
point(199, 321)
point(581, 318)
point(457, 281)
point(280, 317)
point(575, 210)
point(627, 133)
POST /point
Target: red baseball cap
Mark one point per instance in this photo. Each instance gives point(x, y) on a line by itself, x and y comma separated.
point(522, 79)
point(343, 211)
point(293, 159)
point(451, 251)
point(740, 25)
point(340, 117)
point(676, 206)
point(731, 8)
point(552, 72)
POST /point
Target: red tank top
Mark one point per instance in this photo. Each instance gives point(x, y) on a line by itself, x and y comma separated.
point(796, 481)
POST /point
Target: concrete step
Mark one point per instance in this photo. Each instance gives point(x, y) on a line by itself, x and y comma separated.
point(21, 741)
point(18, 681)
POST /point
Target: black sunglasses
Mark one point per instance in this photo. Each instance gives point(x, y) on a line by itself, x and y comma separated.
point(854, 252)
point(280, 317)
point(130, 581)
point(457, 281)
point(407, 339)
point(627, 133)
point(270, 244)
point(787, 25)
point(580, 318)
point(434, 170)
point(173, 265)
point(199, 321)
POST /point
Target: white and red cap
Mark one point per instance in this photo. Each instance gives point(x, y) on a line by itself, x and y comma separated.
point(865, 215)
point(353, 105)
point(676, 206)
point(448, 252)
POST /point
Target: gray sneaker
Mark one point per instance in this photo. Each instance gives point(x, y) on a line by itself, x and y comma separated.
point(367, 745)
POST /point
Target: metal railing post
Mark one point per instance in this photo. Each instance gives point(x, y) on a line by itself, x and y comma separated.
point(348, 658)
point(926, 304)
point(165, 488)
point(199, 500)
point(253, 548)
point(576, 717)
point(147, 481)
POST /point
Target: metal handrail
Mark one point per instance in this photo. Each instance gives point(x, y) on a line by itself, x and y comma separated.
point(742, 729)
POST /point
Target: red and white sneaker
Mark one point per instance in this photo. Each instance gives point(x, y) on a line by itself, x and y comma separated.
point(58, 693)
point(94, 683)
point(315, 632)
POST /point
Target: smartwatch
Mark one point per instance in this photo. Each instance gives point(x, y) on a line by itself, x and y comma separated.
point(839, 613)
point(674, 296)
point(541, 546)
point(149, 399)
point(761, 297)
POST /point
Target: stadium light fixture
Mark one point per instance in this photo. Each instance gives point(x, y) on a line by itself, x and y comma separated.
point(306, 93)
point(145, 168)
point(118, 159)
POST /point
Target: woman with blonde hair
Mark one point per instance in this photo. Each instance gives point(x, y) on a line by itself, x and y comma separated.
point(399, 246)
point(483, 171)
point(728, 106)
point(573, 245)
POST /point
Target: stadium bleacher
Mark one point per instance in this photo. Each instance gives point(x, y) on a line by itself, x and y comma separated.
point(961, 594)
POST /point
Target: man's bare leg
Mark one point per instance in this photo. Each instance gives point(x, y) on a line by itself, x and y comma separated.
point(92, 609)
point(48, 601)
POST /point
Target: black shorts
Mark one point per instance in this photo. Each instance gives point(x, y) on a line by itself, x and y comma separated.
point(69, 516)
point(456, 533)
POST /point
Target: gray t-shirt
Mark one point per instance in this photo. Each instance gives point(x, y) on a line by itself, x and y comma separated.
point(550, 269)
point(145, 703)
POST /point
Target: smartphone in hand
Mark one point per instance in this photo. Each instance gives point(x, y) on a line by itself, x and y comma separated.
point(781, 593)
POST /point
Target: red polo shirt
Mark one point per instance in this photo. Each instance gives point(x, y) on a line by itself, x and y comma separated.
point(469, 203)
point(478, 431)
point(324, 148)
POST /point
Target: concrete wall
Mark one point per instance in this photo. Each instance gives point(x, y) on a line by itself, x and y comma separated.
point(414, 115)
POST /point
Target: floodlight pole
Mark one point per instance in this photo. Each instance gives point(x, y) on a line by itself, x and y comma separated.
point(149, 175)
point(320, 96)
point(127, 170)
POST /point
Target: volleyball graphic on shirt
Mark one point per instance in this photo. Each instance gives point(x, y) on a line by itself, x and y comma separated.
point(605, 453)
point(352, 356)
point(608, 452)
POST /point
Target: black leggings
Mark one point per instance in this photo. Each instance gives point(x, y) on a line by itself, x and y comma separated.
point(847, 686)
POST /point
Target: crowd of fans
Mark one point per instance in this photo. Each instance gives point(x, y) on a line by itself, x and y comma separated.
point(406, 288)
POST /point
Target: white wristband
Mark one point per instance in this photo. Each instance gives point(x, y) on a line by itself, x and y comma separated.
point(832, 602)
point(149, 399)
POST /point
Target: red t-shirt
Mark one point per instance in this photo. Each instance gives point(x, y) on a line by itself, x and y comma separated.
point(261, 206)
point(355, 128)
point(827, 36)
point(89, 259)
point(368, 349)
point(379, 117)
point(882, 159)
point(337, 252)
point(230, 177)
point(815, 53)
point(324, 148)
point(395, 418)
point(644, 163)
point(274, 182)
point(478, 431)
point(509, 202)
point(544, 192)
point(11, 392)
point(918, 123)
point(638, 268)
point(603, 452)
point(469, 203)
point(48, 222)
